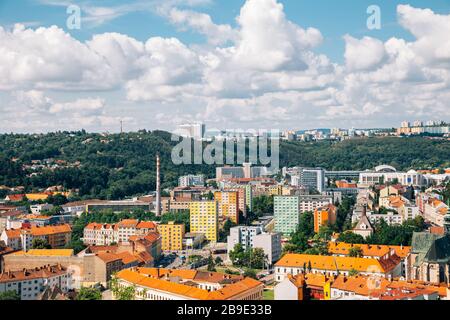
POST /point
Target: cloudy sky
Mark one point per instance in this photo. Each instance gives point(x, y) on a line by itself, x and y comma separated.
point(234, 64)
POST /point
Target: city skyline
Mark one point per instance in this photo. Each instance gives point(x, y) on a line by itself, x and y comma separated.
point(155, 66)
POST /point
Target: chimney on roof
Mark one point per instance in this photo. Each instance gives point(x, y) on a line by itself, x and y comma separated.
point(158, 185)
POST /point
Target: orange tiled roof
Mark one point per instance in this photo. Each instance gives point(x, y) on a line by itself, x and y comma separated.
point(146, 225)
point(128, 223)
point(49, 230)
point(28, 274)
point(152, 237)
point(334, 263)
point(195, 275)
point(15, 197)
point(108, 257)
point(136, 278)
point(127, 257)
point(96, 249)
point(98, 226)
point(13, 233)
point(368, 250)
point(234, 289)
point(360, 285)
point(152, 278)
point(441, 289)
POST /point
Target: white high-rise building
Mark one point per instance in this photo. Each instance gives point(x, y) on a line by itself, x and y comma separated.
point(405, 124)
point(194, 130)
point(191, 181)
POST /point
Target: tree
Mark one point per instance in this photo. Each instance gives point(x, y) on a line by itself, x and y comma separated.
point(211, 264)
point(9, 296)
point(250, 258)
point(250, 273)
point(325, 233)
point(257, 258)
point(40, 244)
point(299, 240)
point(262, 205)
point(89, 294)
point(306, 224)
point(352, 238)
point(126, 293)
point(353, 273)
point(225, 231)
point(237, 255)
point(218, 260)
point(57, 199)
point(343, 211)
point(355, 252)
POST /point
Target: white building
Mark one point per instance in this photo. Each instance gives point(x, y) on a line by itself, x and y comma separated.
point(28, 284)
point(271, 244)
point(194, 130)
point(255, 237)
point(191, 181)
point(39, 208)
point(387, 174)
point(309, 203)
point(312, 178)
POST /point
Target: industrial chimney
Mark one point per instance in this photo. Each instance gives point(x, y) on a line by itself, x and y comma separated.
point(158, 186)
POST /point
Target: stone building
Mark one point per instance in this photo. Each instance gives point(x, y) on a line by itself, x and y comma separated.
point(429, 260)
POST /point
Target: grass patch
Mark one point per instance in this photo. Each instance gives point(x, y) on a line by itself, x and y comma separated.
point(269, 295)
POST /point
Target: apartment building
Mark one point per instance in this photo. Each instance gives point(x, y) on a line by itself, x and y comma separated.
point(324, 216)
point(99, 234)
point(228, 205)
point(21, 239)
point(191, 181)
point(251, 237)
point(242, 201)
point(172, 236)
point(204, 219)
point(107, 234)
point(309, 203)
point(30, 283)
point(286, 214)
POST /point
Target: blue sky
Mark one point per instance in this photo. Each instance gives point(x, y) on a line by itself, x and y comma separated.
point(325, 94)
point(333, 18)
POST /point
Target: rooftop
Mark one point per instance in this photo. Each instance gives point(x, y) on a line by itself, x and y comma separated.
point(336, 263)
point(159, 279)
point(46, 253)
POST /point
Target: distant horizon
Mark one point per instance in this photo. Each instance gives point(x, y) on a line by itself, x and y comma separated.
point(230, 64)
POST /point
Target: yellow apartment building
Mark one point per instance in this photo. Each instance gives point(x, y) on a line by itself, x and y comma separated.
point(172, 236)
point(228, 202)
point(204, 219)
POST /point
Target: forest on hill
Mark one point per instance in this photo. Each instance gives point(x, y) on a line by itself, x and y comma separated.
point(114, 166)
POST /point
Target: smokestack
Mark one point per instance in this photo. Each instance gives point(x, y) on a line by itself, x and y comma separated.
point(158, 186)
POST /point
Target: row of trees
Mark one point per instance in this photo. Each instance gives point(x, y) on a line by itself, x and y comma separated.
point(388, 235)
point(120, 165)
point(250, 258)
